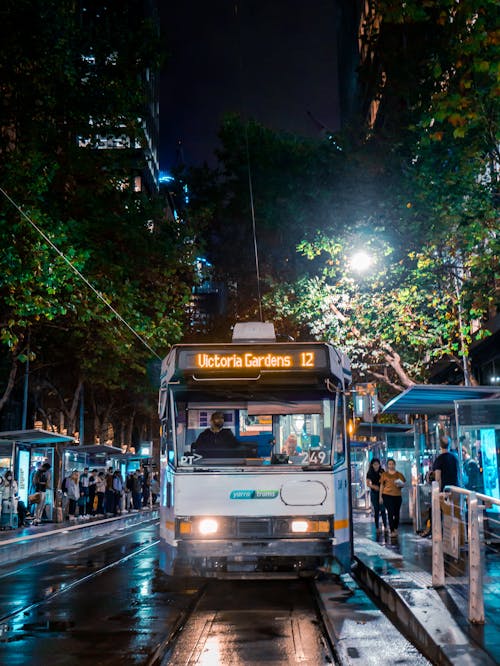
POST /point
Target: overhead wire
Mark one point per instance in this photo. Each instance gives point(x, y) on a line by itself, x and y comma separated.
point(80, 275)
point(249, 171)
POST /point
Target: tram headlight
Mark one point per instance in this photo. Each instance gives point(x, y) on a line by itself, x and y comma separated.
point(300, 526)
point(208, 526)
point(312, 526)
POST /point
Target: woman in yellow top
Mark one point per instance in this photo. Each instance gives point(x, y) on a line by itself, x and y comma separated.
point(391, 483)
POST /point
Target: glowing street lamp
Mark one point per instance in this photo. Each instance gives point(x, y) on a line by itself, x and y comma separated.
point(361, 261)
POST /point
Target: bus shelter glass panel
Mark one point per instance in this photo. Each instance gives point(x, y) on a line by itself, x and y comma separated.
point(74, 461)
point(263, 433)
point(478, 427)
point(401, 447)
point(6, 462)
point(40, 455)
point(360, 456)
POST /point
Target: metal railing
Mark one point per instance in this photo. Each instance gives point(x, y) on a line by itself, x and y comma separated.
point(458, 529)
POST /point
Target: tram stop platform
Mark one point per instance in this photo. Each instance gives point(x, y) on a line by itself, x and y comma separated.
point(18, 544)
point(398, 573)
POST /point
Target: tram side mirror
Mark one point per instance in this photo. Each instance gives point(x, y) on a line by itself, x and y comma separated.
point(279, 459)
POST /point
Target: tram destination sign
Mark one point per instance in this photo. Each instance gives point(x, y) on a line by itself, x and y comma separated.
point(251, 359)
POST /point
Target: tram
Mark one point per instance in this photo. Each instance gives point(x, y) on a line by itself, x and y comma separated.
point(273, 497)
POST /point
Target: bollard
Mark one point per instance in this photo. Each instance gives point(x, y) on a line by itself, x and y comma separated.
point(437, 539)
point(476, 599)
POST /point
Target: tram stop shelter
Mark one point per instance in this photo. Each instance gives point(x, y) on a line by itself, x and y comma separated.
point(93, 456)
point(469, 415)
point(22, 450)
point(379, 440)
point(132, 461)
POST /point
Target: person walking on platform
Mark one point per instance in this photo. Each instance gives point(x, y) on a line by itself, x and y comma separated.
point(391, 483)
point(375, 470)
point(41, 481)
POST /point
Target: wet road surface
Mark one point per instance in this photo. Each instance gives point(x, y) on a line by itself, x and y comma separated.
point(104, 604)
point(253, 622)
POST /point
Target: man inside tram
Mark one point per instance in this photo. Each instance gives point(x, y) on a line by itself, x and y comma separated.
point(216, 439)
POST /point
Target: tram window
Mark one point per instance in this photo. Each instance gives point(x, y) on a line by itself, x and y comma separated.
point(265, 433)
point(338, 432)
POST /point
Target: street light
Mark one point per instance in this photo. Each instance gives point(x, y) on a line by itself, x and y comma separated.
point(361, 261)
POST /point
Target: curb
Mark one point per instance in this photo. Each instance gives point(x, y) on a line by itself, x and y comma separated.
point(421, 616)
point(27, 545)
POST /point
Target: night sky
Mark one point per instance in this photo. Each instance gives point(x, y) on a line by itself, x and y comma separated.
point(274, 63)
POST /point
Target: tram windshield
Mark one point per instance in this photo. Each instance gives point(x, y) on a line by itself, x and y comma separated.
point(298, 434)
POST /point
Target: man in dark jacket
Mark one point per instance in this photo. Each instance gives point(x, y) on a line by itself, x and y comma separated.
point(216, 437)
point(445, 470)
point(445, 466)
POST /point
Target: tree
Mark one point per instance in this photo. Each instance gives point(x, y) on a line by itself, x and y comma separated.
point(432, 69)
point(83, 78)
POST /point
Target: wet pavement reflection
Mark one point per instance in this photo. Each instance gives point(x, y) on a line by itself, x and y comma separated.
point(409, 552)
point(253, 622)
point(114, 617)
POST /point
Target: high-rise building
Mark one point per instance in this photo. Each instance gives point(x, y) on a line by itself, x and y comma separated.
point(97, 18)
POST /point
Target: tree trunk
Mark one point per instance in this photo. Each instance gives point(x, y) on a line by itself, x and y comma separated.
point(10, 382)
point(73, 411)
point(392, 358)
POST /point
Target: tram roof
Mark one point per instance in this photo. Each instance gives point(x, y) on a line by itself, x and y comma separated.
point(240, 361)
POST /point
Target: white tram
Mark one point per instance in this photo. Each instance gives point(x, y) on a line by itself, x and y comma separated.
point(267, 502)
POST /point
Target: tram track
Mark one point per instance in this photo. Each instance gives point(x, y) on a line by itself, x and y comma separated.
point(243, 620)
point(67, 587)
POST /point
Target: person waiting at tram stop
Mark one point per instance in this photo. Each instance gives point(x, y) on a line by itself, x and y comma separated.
point(73, 492)
point(215, 437)
point(391, 483)
point(10, 498)
point(375, 471)
point(83, 501)
point(472, 476)
point(41, 482)
point(445, 470)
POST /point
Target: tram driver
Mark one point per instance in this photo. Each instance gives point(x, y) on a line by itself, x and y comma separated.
point(216, 438)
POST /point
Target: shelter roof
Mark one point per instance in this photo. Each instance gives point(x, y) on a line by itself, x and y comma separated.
point(105, 449)
point(436, 398)
point(34, 437)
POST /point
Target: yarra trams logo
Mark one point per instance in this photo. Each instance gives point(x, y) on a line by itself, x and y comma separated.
point(253, 494)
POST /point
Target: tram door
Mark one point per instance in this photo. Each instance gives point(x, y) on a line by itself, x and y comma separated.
point(342, 520)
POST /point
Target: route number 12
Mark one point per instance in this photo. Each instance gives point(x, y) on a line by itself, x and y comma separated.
point(307, 359)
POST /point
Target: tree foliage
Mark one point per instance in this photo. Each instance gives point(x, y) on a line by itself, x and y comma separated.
point(419, 189)
point(79, 77)
point(434, 68)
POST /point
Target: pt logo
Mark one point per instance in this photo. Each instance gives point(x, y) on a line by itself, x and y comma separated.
point(253, 494)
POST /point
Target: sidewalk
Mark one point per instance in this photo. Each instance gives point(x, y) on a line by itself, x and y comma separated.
point(399, 573)
point(16, 545)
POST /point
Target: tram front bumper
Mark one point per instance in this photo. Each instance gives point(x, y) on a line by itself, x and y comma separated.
point(258, 548)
